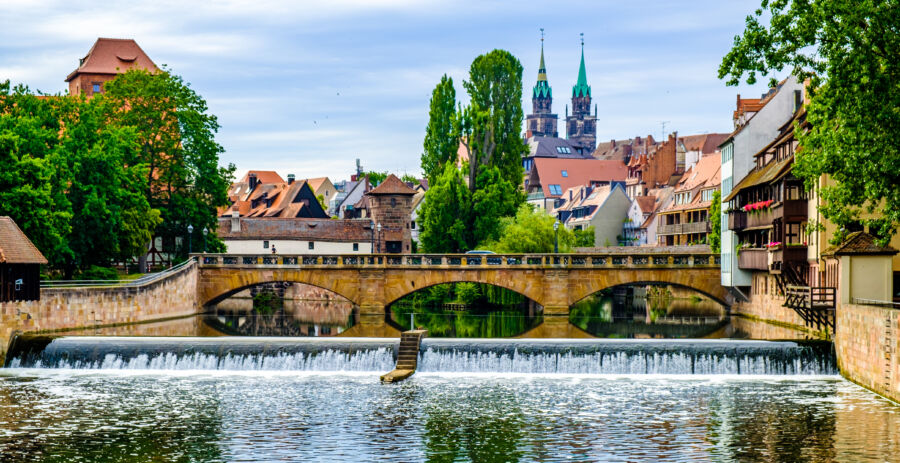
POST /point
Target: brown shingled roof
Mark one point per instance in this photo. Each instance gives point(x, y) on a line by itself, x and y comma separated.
point(392, 186)
point(15, 247)
point(297, 229)
point(113, 56)
point(859, 243)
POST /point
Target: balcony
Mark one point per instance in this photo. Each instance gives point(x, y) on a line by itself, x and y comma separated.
point(683, 228)
point(783, 254)
point(737, 220)
point(760, 218)
point(792, 209)
point(753, 259)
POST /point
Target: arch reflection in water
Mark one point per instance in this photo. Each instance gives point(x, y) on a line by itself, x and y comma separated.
point(282, 309)
point(466, 310)
point(650, 312)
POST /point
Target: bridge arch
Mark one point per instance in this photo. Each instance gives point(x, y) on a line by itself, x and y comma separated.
point(217, 284)
point(400, 285)
point(706, 282)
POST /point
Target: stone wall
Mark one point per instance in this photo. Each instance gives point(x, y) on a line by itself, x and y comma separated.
point(866, 342)
point(70, 308)
point(769, 308)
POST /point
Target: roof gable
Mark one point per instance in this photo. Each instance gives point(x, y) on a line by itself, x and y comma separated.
point(568, 173)
point(392, 186)
point(15, 247)
point(113, 56)
point(859, 243)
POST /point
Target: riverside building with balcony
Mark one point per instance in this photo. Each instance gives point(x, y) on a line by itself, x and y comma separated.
point(686, 220)
point(757, 123)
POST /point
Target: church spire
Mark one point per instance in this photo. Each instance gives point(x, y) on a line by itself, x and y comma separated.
point(542, 88)
point(581, 88)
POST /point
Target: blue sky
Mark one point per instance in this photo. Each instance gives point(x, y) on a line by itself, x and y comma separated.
point(306, 89)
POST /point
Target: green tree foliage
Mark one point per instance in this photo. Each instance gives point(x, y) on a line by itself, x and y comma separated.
point(530, 231)
point(375, 178)
point(486, 189)
point(850, 53)
point(441, 135)
point(583, 238)
point(176, 138)
point(444, 229)
point(91, 181)
point(715, 223)
point(409, 178)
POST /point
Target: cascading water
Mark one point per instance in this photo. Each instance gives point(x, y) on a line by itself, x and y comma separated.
point(565, 356)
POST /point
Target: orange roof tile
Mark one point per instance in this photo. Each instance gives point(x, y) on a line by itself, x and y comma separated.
point(15, 247)
point(113, 56)
point(578, 172)
point(392, 186)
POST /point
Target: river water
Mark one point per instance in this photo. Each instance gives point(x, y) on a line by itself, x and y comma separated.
point(652, 390)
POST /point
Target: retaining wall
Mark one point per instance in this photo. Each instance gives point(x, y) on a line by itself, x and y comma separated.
point(867, 345)
point(70, 308)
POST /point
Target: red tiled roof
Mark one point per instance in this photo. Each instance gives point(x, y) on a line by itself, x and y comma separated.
point(113, 56)
point(317, 182)
point(15, 247)
point(392, 186)
point(705, 173)
point(578, 172)
point(646, 203)
point(264, 176)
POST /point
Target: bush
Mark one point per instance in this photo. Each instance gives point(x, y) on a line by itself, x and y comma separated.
point(99, 273)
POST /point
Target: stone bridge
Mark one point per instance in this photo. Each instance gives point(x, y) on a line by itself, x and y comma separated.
point(374, 281)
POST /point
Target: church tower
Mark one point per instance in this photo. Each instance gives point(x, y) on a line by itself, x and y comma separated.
point(581, 126)
point(541, 122)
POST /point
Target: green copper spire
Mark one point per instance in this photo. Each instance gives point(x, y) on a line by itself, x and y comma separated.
point(542, 88)
point(581, 88)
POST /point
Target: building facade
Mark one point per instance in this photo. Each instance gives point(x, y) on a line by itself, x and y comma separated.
point(106, 59)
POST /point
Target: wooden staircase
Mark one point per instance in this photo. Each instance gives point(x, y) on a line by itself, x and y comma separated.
point(407, 356)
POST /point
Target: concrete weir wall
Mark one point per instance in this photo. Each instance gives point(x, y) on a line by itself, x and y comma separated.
point(70, 308)
point(867, 346)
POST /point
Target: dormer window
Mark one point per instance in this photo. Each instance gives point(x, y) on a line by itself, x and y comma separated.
point(565, 173)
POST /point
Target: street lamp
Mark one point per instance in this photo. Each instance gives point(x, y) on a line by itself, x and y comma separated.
point(205, 231)
point(379, 238)
point(190, 240)
point(372, 227)
point(556, 237)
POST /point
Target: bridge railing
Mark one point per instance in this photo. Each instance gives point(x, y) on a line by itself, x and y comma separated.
point(135, 283)
point(481, 261)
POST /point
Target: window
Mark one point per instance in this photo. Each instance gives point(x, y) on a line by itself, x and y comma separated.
point(265, 245)
point(95, 87)
point(393, 202)
point(356, 246)
point(563, 150)
point(727, 152)
point(565, 173)
point(707, 195)
point(412, 225)
point(312, 244)
point(727, 185)
point(555, 190)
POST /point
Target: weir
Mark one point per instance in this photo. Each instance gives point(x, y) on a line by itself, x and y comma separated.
point(559, 356)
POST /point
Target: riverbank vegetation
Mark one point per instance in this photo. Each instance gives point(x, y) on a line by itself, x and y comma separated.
point(92, 181)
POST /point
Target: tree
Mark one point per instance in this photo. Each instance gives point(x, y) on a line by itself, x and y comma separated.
point(584, 238)
point(530, 231)
point(441, 134)
point(715, 222)
point(407, 178)
point(444, 225)
point(849, 52)
point(375, 178)
point(176, 138)
point(489, 130)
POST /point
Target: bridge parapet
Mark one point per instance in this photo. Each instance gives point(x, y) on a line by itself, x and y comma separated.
point(463, 261)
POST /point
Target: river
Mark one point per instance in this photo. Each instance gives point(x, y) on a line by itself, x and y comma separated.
point(175, 391)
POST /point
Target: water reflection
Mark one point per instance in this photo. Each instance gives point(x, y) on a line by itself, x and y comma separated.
point(475, 322)
point(282, 309)
point(635, 312)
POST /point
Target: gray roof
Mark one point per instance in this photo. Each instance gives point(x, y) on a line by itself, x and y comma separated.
point(552, 147)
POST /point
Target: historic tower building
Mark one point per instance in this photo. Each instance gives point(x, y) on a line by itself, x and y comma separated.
point(541, 122)
point(581, 126)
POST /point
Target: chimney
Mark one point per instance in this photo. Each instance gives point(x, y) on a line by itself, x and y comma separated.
point(253, 181)
point(291, 178)
point(570, 195)
point(235, 221)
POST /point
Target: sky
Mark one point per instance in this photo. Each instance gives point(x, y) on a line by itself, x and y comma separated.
point(308, 88)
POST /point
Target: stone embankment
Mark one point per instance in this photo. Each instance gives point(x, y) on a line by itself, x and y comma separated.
point(867, 343)
point(60, 309)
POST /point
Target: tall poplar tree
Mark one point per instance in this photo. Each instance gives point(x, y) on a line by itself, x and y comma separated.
point(441, 135)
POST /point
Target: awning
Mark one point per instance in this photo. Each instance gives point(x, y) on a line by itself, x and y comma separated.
point(768, 173)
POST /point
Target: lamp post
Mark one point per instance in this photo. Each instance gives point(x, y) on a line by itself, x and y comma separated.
point(190, 240)
point(372, 226)
point(379, 238)
point(556, 237)
point(205, 231)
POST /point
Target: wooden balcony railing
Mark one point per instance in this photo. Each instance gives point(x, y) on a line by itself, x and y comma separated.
point(760, 218)
point(683, 228)
point(753, 259)
point(737, 220)
point(792, 209)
